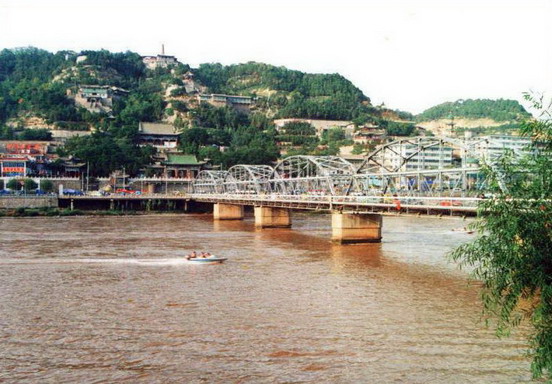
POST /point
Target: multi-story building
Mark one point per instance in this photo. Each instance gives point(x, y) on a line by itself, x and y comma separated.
point(24, 158)
point(97, 98)
point(159, 61)
point(430, 158)
point(159, 135)
point(176, 165)
point(241, 103)
point(24, 147)
point(494, 146)
point(319, 125)
point(14, 166)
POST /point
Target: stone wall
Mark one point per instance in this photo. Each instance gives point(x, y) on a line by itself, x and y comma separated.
point(68, 183)
point(12, 202)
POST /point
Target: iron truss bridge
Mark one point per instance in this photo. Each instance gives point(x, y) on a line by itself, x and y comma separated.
point(431, 173)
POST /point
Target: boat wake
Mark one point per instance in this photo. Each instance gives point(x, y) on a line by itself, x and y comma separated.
point(123, 261)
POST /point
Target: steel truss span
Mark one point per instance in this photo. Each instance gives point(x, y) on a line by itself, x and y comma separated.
point(210, 182)
point(249, 179)
point(317, 175)
point(415, 166)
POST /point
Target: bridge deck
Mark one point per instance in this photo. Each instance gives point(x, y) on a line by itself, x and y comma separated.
point(428, 205)
point(436, 205)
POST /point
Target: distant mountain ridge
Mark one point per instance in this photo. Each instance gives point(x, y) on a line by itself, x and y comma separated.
point(34, 84)
point(476, 115)
point(501, 110)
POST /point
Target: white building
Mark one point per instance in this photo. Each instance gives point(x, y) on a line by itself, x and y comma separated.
point(159, 61)
point(430, 158)
point(494, 146)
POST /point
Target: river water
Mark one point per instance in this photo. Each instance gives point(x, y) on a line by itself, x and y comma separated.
point(104, 299)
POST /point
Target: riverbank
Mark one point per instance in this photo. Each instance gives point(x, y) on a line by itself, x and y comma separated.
point(60, 212)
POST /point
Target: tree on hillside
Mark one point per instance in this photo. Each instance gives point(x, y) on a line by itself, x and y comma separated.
point(512, 255)
point(192, 139)
point(395, 128)
point(36, 134)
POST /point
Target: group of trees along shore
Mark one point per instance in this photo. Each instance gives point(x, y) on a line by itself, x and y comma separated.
point(512, 256)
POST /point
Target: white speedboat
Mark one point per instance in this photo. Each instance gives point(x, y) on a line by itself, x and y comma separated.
point(207, 260)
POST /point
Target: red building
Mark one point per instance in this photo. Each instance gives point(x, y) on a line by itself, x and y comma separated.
point(25, 147)
point(14, 166)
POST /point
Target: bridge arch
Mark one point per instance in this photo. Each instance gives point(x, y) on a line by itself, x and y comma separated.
point(419, 152)
point(324, 175)
point(424, 165)
point(208, 181)
point(248, 179)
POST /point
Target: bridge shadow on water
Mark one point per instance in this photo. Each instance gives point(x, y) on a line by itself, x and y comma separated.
point(309, 241)
point(312, 241)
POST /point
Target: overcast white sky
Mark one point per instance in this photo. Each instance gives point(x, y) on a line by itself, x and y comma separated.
point(408, 54)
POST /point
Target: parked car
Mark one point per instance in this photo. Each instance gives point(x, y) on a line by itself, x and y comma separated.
point(125, 191)
point(73, 192)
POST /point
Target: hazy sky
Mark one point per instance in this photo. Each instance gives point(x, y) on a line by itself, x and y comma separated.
point(408, 54)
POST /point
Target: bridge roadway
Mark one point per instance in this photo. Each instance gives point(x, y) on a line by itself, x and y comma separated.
point(367, 204)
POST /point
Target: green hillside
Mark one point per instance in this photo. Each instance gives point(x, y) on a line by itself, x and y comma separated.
point(36, 86)
point(290, 93)
point(501, 110)
point(38, 90)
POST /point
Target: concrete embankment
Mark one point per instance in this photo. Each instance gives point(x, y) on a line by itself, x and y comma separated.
point(116, 203)
point(14, 202)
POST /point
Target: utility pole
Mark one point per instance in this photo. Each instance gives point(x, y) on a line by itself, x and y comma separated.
point(87, 175)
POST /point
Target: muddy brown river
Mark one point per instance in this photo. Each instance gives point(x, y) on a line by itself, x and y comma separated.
point(108, 299)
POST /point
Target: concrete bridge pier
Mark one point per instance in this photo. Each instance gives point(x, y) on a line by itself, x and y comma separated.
point(350, 228)
point(227, 211)
point(268, 217)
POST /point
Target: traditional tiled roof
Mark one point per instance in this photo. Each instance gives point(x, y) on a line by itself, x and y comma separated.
point(181, 159)
point(156, 129)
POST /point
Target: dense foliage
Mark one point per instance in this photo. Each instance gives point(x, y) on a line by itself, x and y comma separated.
point(394, 128)
point(246, 139)
point(105, 153)
point(46, 185)
point(512, 255)
point(298, 133)
point(36, 134)
point(498, 110)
